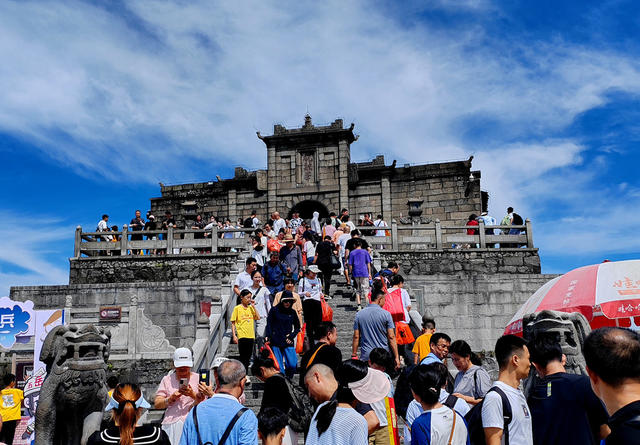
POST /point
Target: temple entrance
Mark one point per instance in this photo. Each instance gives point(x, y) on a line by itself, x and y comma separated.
point(306, 209)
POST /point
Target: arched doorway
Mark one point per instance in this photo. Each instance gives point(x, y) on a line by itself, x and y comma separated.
point(307, 207)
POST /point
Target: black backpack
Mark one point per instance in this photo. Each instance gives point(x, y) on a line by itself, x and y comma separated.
point(301, 410)
point(474, 420)
point(248, 223)
point(517, 220)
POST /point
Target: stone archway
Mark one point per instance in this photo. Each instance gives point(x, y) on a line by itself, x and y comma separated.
point(307, 207)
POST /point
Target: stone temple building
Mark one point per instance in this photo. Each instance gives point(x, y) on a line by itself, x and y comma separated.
point(310, 169)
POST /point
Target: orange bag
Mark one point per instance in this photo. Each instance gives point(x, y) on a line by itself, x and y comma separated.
point(404, 336)
point(272, 356)
point(327, 312)
point(300, 339)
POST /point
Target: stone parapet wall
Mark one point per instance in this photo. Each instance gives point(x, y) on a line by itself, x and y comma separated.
point(172, 306)
point(473, 307)
point(469, 261)
point(152, 269)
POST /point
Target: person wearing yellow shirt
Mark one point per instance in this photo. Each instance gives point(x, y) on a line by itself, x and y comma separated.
point(10, 404)
point(421, 347)
point(243, 327)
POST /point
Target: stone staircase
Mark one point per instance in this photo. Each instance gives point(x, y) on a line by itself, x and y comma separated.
point(344, 311)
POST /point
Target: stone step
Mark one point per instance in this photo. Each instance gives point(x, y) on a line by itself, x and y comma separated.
point(344, 311)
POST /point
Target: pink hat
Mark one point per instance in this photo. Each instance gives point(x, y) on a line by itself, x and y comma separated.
point(373, 388)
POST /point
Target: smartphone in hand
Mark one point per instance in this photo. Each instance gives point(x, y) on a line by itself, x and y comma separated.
point(204, 376)
point(184, 382)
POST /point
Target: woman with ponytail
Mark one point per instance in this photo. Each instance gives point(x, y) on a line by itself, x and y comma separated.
point(126, 405)
point(336, 421)
point(438, 424)
point(472, 382)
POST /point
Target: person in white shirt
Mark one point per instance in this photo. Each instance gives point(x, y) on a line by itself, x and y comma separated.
point(262, 303)
point(379, 222)
point(104, 227)
point(512, 356)
point(278, 223)
point(243, 280)
point(342, 243)
point(438, 424)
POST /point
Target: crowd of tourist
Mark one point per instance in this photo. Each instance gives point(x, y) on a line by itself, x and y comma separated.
point(354, 401)
point(282, 326)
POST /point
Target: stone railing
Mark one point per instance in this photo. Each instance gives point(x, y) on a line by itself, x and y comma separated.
point(156, 242)
point(438, 237)
point(433, 237)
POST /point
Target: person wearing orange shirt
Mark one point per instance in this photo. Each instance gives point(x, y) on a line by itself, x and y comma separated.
point(421, 347)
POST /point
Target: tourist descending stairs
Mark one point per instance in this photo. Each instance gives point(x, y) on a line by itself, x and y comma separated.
point(344, 311)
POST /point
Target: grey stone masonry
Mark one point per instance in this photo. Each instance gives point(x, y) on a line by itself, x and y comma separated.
point(172, 306)
point(157, 268)
point(470, 261)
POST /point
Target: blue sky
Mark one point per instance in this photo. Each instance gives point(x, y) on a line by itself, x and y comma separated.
point(100, 103)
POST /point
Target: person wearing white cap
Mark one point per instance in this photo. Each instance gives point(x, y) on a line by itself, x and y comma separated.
point(336, 421)
point(126, 405)
point(178, 392)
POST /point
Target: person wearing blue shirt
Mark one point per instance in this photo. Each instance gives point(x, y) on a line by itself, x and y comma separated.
point(215, 414)
point(439, 344)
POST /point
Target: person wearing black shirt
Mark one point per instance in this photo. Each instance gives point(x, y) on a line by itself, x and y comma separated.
point(613, 365)
point(276, 391)
point(324, 351)
point(136, 225)
point(563, 407)
point(324, 250)
point(355, 234)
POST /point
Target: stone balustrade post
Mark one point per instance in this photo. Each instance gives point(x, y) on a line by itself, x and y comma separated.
point(394, 235)
point(438, 235)
point(529, 230)
point(124, 240)
point(76, 247)
point(214, 239)
point(483, 236)
point(169, 240)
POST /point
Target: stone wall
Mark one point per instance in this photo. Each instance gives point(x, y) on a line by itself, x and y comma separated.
point(150, 269)
point(470, 261)
point(172, 306)
point(474, 308)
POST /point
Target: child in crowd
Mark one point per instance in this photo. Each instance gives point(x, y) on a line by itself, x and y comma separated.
point(243, 327)
point(271, 426)
point(421, 347)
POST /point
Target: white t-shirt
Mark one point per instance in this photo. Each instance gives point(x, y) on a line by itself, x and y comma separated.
point(314, 287)
point(406, 302)
point(380, 223)
point(435, 427)
point(310, 249)
point(380, 407)
point(279, 224)
point(262, 300)
point(520, 432)
point(415, 409)
point(243, 280)
point(347, 427)
point(343, 242)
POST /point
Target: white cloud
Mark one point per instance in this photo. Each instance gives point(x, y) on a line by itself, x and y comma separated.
point(146, 93)
point(26, 249)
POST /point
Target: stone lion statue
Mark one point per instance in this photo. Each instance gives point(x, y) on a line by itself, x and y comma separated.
point(571, 330)
point(74, 393)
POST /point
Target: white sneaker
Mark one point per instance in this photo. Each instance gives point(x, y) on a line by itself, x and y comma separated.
point(327, 297)
point(248, 382)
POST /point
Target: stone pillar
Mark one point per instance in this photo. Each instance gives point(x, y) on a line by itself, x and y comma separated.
point(385, 192)
point(344, 157)
point(271, 182)
point(232, 213)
